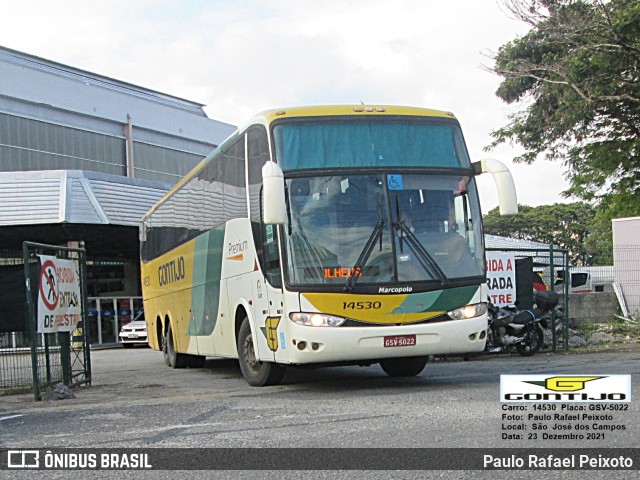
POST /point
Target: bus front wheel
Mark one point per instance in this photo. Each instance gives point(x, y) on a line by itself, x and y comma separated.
point(255, 372)
point(403, 367)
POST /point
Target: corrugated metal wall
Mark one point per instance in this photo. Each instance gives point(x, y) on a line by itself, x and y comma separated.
point(27, 144)
point(30, 199)
point(160, 164)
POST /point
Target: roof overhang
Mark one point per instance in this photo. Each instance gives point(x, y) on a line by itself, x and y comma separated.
point(75, 197)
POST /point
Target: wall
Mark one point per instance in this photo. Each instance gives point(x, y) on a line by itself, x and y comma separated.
point(626, 262)
point(593, 307)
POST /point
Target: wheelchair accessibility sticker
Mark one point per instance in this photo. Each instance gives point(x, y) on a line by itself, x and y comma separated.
point(394, 182)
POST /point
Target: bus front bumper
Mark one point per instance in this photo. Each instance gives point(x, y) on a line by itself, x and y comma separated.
point(335, 344)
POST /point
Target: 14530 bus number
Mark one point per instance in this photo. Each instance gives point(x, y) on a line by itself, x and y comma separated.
point(361, 305)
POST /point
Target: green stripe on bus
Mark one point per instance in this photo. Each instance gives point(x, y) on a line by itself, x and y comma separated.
point(207, 267)
point(438, 301)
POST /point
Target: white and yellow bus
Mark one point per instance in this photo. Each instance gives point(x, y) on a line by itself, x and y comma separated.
point(323, 235)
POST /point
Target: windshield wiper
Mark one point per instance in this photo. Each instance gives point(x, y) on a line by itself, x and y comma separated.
point(364, 255)
point(425, 258)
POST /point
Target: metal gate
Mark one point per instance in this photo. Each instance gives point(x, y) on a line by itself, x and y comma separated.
point(542, 265)
point(55, 357)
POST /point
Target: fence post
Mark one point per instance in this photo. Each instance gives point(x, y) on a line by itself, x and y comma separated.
point(99, 319)
point(31, 318)
point(565, 287)
point(64, 339)
point(85, 316)
point(554, 339)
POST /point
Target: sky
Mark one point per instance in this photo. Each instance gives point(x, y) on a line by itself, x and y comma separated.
point(238, 57)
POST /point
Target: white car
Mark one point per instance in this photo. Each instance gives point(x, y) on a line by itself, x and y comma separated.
point(133, 333)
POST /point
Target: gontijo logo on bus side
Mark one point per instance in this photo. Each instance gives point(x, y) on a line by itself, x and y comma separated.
point(570, 388)
point(172, 271)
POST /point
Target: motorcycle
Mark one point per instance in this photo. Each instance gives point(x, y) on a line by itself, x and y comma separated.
point(509, 327)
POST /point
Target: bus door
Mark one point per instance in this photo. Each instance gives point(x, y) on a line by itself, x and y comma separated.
point(268, 308)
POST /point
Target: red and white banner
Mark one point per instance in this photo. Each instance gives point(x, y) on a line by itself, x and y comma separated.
point(501, 278)
point(59, 300)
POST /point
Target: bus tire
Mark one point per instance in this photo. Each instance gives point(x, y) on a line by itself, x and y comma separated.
point(176, 360)
point(255, 372)
point(196, 361)
point(403, 367)
point(165, 353)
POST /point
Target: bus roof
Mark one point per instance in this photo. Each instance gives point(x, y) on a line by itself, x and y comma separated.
point(269, 116)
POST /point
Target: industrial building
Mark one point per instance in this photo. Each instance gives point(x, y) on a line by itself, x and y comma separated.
point(83, 156)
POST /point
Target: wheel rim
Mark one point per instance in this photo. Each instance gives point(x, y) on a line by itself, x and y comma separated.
point(532, 341)
point(249, 355)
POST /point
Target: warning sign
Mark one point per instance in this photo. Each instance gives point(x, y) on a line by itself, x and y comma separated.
point(59, 301)
point(501, 278)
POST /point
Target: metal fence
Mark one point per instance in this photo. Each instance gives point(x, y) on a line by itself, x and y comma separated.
point(105, 317)
point(598, 305)
point(31, 360)
point(604, 302)
point(15, 341)
point(535, 269)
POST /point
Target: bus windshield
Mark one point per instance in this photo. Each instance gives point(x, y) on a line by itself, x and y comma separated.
point(386, 142)
point(383, 229)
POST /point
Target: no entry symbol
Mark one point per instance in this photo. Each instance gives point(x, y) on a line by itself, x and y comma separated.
point(49, 285)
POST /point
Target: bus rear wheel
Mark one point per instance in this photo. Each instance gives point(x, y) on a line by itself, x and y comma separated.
point(176, 360)
point(403, 367)
point(255, 372)
point(165, 353)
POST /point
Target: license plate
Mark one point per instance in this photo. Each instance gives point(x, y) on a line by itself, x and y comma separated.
point(133, 335)
point(400, 341)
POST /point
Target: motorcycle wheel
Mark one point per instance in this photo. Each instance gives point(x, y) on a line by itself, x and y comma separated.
point(489, 343)
point(532, 343)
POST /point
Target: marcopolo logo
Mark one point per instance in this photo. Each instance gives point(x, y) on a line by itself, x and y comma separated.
point(565, 388)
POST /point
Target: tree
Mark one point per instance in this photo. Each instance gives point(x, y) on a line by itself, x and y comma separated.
point(576, 74)
point(570, 226)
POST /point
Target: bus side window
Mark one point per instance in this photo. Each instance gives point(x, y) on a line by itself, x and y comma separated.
point(265, 237)
point(271, 256)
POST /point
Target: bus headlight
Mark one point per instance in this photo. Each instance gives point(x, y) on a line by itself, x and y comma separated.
point(470, 311)
point(316, 319)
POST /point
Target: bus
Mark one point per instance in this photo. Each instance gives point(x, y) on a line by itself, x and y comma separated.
point(326, 235)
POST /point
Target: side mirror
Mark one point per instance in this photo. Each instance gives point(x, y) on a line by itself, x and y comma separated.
point(274, 206)
point(507, 198)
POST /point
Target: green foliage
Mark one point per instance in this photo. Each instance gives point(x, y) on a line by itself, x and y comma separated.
point(577, 75)
point(587, 329)
point(584, 231)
